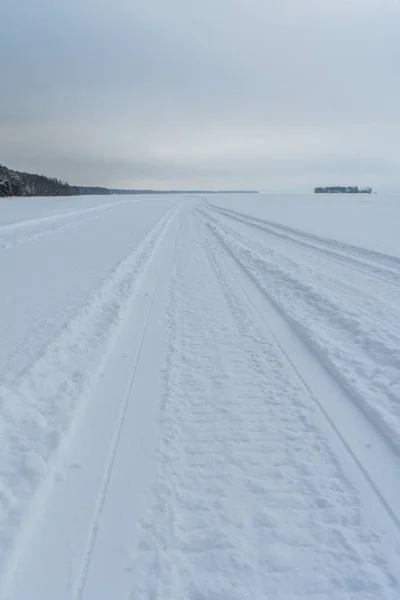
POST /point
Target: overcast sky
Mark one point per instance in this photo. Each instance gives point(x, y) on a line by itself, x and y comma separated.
point(279, 95)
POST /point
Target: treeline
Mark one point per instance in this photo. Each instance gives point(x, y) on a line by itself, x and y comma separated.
point(19, 183)
point(350, 189)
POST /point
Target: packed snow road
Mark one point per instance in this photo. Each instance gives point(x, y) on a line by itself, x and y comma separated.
point(198, 402)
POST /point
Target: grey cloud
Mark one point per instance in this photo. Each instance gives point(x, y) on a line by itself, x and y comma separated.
point(218, 91)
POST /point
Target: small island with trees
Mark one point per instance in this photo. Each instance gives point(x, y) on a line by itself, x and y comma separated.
point(349, 189)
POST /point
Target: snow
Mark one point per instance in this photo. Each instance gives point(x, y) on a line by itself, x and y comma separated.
point(349, 316)
point(200, 398)
point(369, 221)
point(22, 211)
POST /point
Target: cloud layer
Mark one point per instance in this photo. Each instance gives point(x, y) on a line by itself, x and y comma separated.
point(280, 95)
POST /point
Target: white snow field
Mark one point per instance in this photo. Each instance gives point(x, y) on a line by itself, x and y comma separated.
point(200, 398)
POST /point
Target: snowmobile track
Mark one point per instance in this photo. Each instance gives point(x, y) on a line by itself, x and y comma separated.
point(315, 380)
point(381, 266)
point(91, 481)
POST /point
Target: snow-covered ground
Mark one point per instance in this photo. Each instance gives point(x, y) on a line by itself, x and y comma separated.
point(200, 398)
point(369, 221)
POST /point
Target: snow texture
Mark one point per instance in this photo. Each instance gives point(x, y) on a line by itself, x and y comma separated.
point(200, 399)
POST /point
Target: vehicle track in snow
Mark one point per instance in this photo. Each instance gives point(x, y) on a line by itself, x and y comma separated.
point(250, 500)
point(371, 450)
point(50, 225)
point(121, 424)
point(93, 428)
point(375, 264)
point(255, 467)
point(356, 335)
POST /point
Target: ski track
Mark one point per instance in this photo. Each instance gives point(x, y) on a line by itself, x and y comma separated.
point(219, 420)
